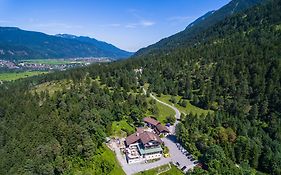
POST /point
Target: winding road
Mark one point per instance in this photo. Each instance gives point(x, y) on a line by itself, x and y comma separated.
point(176, 155)
point(178, 113)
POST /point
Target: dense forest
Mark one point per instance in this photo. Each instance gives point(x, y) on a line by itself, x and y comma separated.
point(233, 68)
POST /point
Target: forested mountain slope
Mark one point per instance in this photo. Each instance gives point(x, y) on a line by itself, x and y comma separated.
point(186, 37)
point(20, 44)
point(234, 68)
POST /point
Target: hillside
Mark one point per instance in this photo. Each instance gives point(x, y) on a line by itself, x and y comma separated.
point(187, 36)
point(234, 69)
point(20, 44)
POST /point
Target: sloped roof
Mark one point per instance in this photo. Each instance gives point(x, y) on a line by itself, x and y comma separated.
point(132, 138)
point(162, 128)
point(144, 137)
point(149, 136)
point(151, 121)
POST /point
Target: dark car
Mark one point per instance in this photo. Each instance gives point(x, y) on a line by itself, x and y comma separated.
point(177, 163)
point(183, 168)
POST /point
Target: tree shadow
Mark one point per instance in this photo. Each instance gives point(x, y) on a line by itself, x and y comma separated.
point(173, 138)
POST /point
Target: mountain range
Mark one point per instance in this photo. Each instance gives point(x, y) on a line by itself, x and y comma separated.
point(188, 35)
point(20, 44)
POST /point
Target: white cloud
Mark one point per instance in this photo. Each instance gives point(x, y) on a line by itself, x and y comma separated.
point(147, 23)
point(142, 23)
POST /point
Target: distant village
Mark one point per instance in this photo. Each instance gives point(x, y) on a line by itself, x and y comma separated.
point(63, 64)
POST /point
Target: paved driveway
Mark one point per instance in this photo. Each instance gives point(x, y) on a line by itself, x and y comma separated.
point(170, 141)
point(176, 154)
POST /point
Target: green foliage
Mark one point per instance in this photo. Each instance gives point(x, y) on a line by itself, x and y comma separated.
point(62, 132)
point(186, 110)
point(170, 119)
point(118, 128)
point(165, 150)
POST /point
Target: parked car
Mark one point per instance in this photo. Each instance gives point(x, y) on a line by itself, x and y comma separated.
point(187, 154)
point(192, 159)
point(189, 157)
point(195, 162)
point(183, 151)
point(177, 164)
point(177, 144)
point(183, 168)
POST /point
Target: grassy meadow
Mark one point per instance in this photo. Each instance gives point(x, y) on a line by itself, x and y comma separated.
point(10, 76)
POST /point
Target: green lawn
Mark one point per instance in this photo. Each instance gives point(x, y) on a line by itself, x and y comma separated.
point(122, 128)
point(173, 171)
point(9, 76)
point(188, 109)
point(48, 61)
point(164, 111)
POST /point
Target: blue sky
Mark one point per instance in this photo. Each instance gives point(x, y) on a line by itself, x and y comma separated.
point(128, 24)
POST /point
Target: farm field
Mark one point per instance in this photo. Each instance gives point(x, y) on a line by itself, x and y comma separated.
point(10, 76)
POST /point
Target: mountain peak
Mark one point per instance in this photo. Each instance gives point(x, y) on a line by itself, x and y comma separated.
point(14, 42)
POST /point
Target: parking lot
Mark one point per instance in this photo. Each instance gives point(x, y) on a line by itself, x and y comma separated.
point(179, 157)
